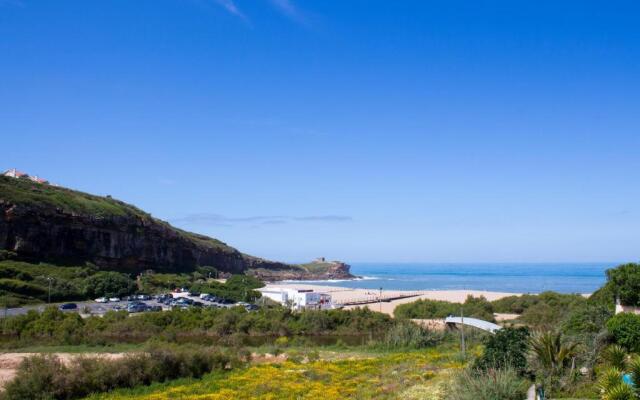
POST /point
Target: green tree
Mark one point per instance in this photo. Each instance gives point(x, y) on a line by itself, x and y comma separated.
point(109, 284)
point(624, 281)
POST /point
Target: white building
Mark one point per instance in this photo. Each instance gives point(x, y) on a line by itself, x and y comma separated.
point(299, 299)
point(628, 309)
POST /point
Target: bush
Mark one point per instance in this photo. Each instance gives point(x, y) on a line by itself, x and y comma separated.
point(476, 307)
point(506, 349)
point(625, 329)
point(493, 384)
point(406, 334)
point(109, 284)
point(46, 377)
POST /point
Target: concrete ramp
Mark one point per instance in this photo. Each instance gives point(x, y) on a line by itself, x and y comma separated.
point(476, 323)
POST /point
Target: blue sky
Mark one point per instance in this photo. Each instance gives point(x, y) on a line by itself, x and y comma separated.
point(359, 130)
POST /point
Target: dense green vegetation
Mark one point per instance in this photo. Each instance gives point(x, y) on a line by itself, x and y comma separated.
point(54, 327)
point(27, 283)
point(47, 377)
point(624, 283)
point(506, 349)
point(625, 329)
point(477, 307)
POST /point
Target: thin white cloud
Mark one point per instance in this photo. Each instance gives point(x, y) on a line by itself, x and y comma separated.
point(207, 219)
point(232, 8)
point(289, 9)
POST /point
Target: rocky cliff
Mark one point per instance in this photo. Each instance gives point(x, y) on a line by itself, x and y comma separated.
point(44, 222)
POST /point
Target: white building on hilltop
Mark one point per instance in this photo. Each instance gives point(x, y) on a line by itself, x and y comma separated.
point(299, 299)
point(14, 173)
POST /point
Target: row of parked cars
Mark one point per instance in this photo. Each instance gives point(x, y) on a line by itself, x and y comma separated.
point(141, 297)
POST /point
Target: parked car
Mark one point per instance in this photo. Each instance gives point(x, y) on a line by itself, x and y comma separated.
point(144, 297)
point(226, 301)
point(204, 295)
point(102, 300)
point(130, 298)
point(197, 304)
point(114, 299)
point(68, 306)
point(251, 307)
point(136, 307)
point(193, 294)
point(154, 308)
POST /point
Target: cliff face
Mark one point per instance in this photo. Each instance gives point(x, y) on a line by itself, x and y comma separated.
point(123, 243)
point(43, 222)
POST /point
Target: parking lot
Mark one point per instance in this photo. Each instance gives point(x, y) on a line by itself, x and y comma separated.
point(94, 308)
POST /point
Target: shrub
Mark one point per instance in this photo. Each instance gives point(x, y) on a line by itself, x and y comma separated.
point(492, 384)
point(45, 377)
point(477, 307)
point(625, 329)
point(109, 284)
point(409, 335)
point(507, 348)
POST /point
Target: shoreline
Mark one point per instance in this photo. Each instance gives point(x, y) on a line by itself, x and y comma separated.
point(342, 294)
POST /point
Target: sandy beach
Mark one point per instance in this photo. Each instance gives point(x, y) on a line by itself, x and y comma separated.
point(346, 294)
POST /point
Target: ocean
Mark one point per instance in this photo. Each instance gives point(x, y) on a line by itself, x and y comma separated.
point(499, 277)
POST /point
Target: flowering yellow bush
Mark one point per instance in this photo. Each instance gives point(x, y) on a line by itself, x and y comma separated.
point(399, 375)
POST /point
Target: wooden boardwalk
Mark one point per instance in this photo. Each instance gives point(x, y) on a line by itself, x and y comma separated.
point(375, 299)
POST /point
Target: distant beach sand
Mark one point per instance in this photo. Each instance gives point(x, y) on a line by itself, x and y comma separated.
point(344, 294)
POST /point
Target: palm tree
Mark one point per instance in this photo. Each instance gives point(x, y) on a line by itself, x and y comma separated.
point(552, 356)
point(616, 356)
point(551, 353)
point(612, 385)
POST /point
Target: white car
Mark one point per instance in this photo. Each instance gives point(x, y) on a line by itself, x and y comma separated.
point(114, 299)
point(102, 300)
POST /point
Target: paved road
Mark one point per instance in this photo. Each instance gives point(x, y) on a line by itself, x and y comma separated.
point(96, 308)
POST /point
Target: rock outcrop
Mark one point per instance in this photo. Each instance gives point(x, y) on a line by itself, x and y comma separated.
point(43, 222)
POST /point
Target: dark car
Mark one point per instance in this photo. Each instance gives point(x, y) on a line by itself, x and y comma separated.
point(226, 301)
point(136, 307)
point(68, 306)
point(197, 304)
point(154, 308)
point(251, 307)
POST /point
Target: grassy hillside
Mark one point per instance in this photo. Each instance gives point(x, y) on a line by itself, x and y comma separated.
point(43, 196)
point(26, 192)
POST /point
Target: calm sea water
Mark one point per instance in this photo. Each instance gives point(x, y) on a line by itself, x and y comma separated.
point(513, 278)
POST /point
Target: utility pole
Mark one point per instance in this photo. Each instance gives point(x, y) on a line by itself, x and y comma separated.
point(380, 299)
point(462, 330)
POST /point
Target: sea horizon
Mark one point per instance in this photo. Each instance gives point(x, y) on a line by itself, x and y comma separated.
point(508, 277)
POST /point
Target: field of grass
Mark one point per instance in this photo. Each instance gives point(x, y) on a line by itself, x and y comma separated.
point(408, 375)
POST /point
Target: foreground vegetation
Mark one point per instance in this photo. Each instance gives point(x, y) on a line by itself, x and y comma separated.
point(410, 375)
point(569, 346)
